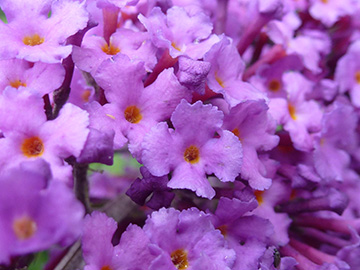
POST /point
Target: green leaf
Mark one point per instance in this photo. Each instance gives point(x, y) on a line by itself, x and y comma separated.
point(2, 16)
point(39, 261)
point(121, 161)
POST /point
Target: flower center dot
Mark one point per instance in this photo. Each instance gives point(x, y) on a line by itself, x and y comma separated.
point(223, 229)
point(192, 154)
point(32, 147)
point(259, 196)
point(179, 259)
point(274, 85)
point(86, 95)
point(24, 228)
point(33, 40)
point(17, 83)
point(110, 50)
point(219, 80)
point(132, 114)
point(173, 44)
point(292, 111)
point(357, 76)
point(325, 1)
point(106, 267)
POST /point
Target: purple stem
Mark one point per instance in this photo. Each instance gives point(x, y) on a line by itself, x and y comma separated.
point(313, 254)
point(323, 237)
point(165, 61)
point(335, 201)
point(275, 53)
point(252, 31)
point(304, 263)
point(61, 94)
point(332, 224)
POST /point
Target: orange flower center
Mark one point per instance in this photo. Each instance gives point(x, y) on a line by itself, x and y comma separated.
point(106, 267)
point(32, 147)
point(110, 50)
point(357, 76)
point(292, 111)
point(223, 229)
point(33, 40)
point(179, 259)
point(17, 83)
point(192, 154)
point(259, 196)
point(274, 85)
point(24, 228)
point(132, 114)
point(173, 44)
point(219, 80)
point(236, 132)
point(86, 95)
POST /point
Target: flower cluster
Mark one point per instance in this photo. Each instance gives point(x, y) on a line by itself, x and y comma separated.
point(243, 115)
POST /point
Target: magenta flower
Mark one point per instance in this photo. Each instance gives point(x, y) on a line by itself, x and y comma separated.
point(191, 151)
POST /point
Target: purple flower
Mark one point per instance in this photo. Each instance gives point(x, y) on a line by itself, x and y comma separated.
point(136, 109)
point(247, 234)
point(98, 251)
point(35, 37)
point(99, 145)
point(336, 140)
point(226, 72)
point(254, 127)
point(35, 213)
point(35, 77)
point(299, 116)
point(269, 78)
point(28, 135)
point(180, 31)
point(191, 151)
point(94, 50)
point(347, 73)
point(329, 11)
point(157, 186)
point(187, 240)
point(81, 92)
point(268, 199)
point(310, 45)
